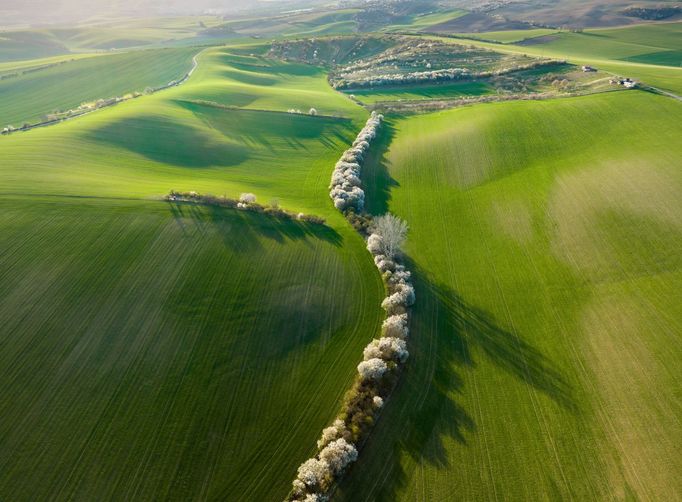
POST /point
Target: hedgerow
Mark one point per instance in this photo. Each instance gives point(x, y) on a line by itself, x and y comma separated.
point(382, 357)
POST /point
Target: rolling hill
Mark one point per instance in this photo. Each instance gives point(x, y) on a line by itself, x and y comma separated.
point(546, 238)
point(27, 94)
point(144, 340)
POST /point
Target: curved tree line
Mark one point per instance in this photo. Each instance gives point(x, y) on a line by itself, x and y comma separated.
point(383, 357)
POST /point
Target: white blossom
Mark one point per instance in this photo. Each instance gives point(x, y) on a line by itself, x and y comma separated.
point(338, 454)
point(375, 244)
point(331, 433)
point(395, 326)
point(247, 198)
point(372, 369)
point(313, 471)
point(387, 348)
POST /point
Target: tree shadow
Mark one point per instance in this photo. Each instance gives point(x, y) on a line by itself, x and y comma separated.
point(243, 231)
point(170, 142)
point(271, 129)
point(423, 414)
point(376, 180)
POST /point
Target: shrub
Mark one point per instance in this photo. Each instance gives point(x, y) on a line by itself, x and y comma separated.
point(247, 198)
point(388, 349)
point(372, 369)
point(329, 434)
point(338, 454)
point(313, 472)
point(395, 326)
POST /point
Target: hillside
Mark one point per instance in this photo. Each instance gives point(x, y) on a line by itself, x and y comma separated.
point(545, 237)
point(433, 255)
point(143, 341)
point(649, 52)
point(28, 94)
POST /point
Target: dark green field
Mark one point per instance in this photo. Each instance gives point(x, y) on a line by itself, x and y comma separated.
point(159, 351)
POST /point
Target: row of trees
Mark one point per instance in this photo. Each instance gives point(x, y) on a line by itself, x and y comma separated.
point(383, 356)
point(345, 188)
point(246, 202)
point(448, 74)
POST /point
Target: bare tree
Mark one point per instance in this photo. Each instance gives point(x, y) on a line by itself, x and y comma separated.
point(393, 232)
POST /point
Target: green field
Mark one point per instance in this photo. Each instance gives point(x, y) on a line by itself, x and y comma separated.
point(40, 43)
point(143, 342)
point(423, 22)
point(644, 43)
point(510, 36)
point(647, 52)
point(30, 95)
point(545, 358)
point(157, 351)
point(167, 351)
point(147, 146)
point(421, 92)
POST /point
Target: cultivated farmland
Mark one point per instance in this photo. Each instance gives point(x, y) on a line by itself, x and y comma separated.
point(27, 94)
point(546, 237)
point(254, 265)
point(153, 334)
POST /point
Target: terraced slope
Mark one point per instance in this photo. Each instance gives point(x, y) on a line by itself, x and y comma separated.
point(27, 94)
point(186, 353)
point(545, 361)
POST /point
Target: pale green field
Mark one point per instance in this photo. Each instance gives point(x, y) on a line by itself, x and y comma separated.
point(29, 96)
point(425, 21)
point(510, 36)
point(147, 146)
point(545, 353)
point(19, 45)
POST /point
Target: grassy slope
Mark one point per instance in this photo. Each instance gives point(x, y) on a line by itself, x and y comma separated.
point(30, 96)
point(648, 52)
point(510, 36)
point(122, 34)
point(424, 21)
point(176, 353)
point(16, 46)
point(546, 239)
point(149, 145)
point(417, 92)
point(250, 81)
point(150, 351)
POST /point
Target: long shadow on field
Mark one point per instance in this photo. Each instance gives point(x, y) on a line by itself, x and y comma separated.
point(170, 142)
point(376, 180)
point(271, 129)
point(422, 415)
point(243, 231)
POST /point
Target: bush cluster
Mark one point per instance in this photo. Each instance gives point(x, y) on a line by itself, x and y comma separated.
point(444, 75)
point(246, 202)
point(345, 188)
point(383, 356)
point(377, 372)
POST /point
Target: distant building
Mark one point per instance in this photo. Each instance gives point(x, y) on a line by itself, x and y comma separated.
point(587, 68)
